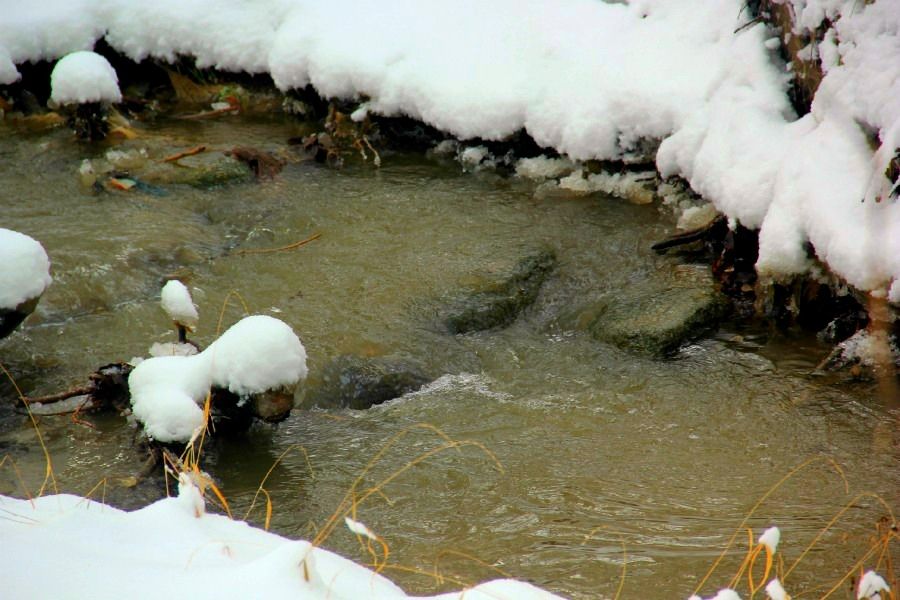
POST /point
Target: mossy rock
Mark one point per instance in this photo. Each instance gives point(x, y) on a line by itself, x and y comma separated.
point(657, 318)
point(499, 297)
point(202, 171)
point(10, 318)
point(357, 382)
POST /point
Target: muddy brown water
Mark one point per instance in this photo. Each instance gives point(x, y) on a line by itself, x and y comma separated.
point(610, 462)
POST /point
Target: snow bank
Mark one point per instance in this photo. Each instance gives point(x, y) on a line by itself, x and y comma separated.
point(24, 269)
point(588, 78)
point(82, 77)
point(257, 354)
point(173, 549)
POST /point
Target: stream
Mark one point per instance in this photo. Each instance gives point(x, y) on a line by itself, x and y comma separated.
point(590, 460)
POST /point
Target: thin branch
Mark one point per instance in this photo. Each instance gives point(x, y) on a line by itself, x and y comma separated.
point(293, 246)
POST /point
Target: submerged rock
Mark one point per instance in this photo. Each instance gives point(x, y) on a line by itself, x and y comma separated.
point(498, 298)
point(658, 317)
point(205, 170)
point(357, 382)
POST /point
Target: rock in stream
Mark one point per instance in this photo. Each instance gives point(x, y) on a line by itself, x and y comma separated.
point(657, 317)
point(498, 297)
point(357, 382)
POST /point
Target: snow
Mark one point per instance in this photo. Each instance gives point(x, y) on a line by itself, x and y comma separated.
point(770, 538)
point(775, 591)
point(106, 553)
point(871, 585)
point(24, 269)
point(589, 79)
point(257, 354)
point(82, 77)
point(176, 301)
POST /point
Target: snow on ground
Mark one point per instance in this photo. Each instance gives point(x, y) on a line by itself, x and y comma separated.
point(587, 78)
point(24, 269)
point(173, 549)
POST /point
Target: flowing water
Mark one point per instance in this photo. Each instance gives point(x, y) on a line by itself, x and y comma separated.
point(611, 462)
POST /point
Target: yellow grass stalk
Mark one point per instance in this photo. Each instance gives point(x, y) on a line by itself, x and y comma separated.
point(590, 535)
point(833, 521)
point(759, 503)
point(49, 476)
point(19, 477)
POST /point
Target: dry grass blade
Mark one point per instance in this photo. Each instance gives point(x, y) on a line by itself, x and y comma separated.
point(293, 246)
point(223, 503)
point(184, 154)
point(49, 476)
point(856, 566)
point(834, 520)
point(268, 509)
point(101, 485)
point(19, 477)
point(438, 579)
point(210, 114)
point(467, 556)
point(350, 502)
point(235, 294)
point(261, 489)
point(590, 536)
point(759, 503)
point(748, 559)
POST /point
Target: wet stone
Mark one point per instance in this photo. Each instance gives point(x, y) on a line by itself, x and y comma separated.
point(357, 382)
point(656, 317)
point(498, 298)
point(206, 170)
point(10, 318)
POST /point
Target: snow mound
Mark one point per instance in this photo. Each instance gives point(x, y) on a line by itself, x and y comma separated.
point(24, 268)
point(256, 354)
point(176, 301)
point(185, 553)
point(82, 77)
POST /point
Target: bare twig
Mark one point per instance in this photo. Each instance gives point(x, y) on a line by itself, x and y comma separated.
point(293, 246)
point(185, 153)
point(209, 114)
point(58, 397)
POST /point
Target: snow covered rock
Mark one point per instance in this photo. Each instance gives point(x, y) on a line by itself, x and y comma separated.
point(24, 275)
point(83, 77)
point(256, 355)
